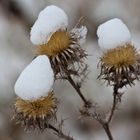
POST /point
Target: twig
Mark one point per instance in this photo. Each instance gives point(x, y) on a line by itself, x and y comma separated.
point(80, 21)
point(105, 123)
point(107, 130)
point(77, 88)
point(60, 133)
point(114, 106)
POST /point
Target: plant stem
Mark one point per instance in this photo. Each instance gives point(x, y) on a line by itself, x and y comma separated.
point(77, 88)
point(107, 130)
point(114, 105)
point(113, 108)
point(106, 123)
point(115, 102)
point(60, 133)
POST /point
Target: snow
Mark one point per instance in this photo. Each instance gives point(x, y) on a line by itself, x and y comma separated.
point(113, 33)
point(80, 33)
point(36, 79)
point(50, 20)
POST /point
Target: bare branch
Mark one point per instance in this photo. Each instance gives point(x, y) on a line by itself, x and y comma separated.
point(77, 88)
point(60, 133)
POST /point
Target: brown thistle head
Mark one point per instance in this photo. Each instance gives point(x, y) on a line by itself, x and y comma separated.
point(36, 104)
point(120, 65)
point(120, 62)
point(53, 39)
point(36, 114)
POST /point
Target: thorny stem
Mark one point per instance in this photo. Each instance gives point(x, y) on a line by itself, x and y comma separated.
point(108, 132)
point(60, 133)
point(106, 123)
point(77, 88)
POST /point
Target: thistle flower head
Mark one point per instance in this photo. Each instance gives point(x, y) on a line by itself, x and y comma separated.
point(58, 42)
point(63, 46)
point(36, 114)
point(35, 105)
point(120, 64)
point(122, 56)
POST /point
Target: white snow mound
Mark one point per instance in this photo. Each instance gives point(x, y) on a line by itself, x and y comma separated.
point(113, 33)
point(50, 20)
point(36, 79)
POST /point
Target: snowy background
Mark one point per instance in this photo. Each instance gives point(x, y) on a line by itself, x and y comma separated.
point(16, 51)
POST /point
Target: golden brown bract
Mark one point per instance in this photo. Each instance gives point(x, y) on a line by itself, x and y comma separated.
point(120, 65)
point(58, 42)
point(63, 50)
point(36, 114)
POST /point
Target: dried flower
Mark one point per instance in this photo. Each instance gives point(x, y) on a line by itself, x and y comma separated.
point(36, 114)
point(120, 64)
point(35, 105)
point(60, 45)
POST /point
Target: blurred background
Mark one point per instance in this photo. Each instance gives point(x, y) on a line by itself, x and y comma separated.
point(16, 51)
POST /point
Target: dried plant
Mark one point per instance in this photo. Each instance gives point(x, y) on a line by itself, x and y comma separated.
point(36, 114)
point(60, 55)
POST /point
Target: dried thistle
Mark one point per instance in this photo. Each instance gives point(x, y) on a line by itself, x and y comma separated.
point(63, 47)
point(36, 114)
point(36, 104)
point(63, 50)
point(120, 66)
point(52, 38)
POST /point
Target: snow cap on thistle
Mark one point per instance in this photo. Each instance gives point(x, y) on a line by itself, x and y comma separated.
point(36, 79)
point(112, 34)
point(120, 63)
point(50, 20)
point(62, 46)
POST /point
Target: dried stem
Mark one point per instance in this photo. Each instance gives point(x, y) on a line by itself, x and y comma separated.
point(105, 123)
point(77, 88)
point(115, 102)
point(60, 133)
point(108, 132)
point(114, 106)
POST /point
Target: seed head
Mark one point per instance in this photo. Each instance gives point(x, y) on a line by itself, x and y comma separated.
point(53, 39)
point(120, 65)
point(36, 114)
point(58, 42)
point(63, 50)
